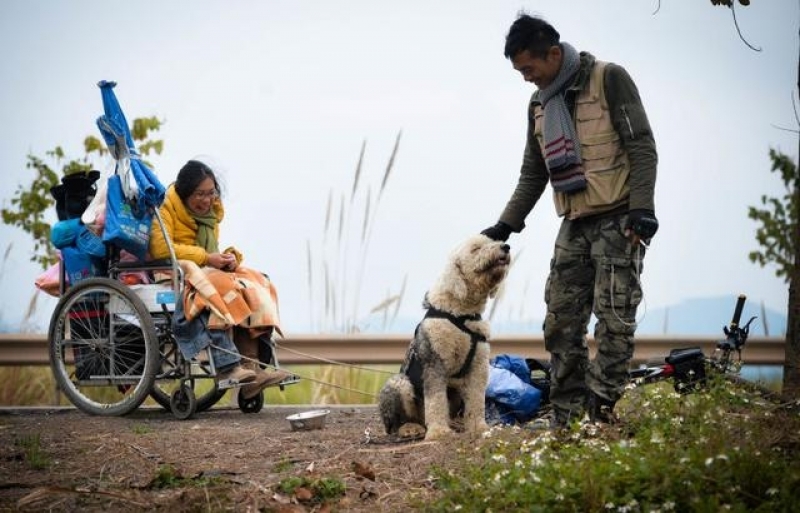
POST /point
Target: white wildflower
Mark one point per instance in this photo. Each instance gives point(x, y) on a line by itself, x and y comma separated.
point(709, 461)
point(772, 492)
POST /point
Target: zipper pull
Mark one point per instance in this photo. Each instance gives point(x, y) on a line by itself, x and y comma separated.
point(628, 120)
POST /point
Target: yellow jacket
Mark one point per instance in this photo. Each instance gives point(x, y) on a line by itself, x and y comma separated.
point(182, 229)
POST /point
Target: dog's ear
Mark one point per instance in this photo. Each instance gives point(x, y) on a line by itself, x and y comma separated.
point(458, 285)
point(495, 290)
point(452, 282)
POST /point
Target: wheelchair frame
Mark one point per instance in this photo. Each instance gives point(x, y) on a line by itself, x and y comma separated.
point(110, 350)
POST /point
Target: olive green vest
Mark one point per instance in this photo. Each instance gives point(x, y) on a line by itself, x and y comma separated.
point(605, 162)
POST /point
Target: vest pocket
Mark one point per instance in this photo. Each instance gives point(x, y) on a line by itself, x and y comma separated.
point(606, 186)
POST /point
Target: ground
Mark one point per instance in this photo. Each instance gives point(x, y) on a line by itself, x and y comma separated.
point(220, 460)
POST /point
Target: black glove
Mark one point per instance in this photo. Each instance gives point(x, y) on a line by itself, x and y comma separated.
point(643, 223)
point(500, 231)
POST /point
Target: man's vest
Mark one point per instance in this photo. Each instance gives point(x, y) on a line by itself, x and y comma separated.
point(605, 162)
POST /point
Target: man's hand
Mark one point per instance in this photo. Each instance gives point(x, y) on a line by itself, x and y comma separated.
point(500, 231)
point(642, 225)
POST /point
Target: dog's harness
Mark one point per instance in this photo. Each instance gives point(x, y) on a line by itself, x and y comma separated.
point(413, 367)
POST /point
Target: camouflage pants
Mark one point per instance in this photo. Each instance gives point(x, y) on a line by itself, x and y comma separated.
point(595, 269)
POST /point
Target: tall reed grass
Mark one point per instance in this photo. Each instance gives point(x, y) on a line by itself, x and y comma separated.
point(335, 275)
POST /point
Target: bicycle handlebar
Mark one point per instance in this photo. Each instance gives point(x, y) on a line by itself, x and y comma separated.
point(737, 312)
point(735, 336)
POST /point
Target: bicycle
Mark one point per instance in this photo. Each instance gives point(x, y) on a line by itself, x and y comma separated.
point(688, 367)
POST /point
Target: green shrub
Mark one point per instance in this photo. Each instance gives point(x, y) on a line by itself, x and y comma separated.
point(720, 449)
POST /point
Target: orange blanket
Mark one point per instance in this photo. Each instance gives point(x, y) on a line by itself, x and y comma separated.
point(245, 298)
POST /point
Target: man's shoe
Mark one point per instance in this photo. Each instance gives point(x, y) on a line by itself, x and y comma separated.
point(235, 376)
point(265, 378)
point(601, 409)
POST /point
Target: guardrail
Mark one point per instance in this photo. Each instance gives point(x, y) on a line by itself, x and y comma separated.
point(32, 349)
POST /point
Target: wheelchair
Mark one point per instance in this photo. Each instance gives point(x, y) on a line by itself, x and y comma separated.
point(111, 344)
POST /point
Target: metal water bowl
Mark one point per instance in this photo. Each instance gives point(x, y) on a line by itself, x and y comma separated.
point(308, 420)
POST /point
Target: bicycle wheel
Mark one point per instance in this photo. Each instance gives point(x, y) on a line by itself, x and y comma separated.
point(103, 347)
point(205, 388)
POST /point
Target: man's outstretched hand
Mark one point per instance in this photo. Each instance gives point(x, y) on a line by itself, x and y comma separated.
point(500, 231)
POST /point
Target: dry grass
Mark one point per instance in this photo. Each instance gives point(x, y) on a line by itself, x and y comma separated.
point(336, 307)
point(319, 384)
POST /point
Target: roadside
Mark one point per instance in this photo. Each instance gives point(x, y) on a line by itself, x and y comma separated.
point(59, 459)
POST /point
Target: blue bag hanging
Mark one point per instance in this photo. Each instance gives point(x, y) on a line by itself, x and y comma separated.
point(127, 225)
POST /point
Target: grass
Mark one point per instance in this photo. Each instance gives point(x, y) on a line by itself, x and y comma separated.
point(34, 455)
point(334, 276)
point(323, 384)
point(316, 490)
point(724, 449)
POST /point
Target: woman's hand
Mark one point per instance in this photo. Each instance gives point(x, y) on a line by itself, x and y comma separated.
point(222, 261)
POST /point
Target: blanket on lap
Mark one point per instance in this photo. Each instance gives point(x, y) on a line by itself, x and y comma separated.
point(244, 297)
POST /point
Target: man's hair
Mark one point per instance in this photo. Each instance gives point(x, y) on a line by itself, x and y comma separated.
point(530, 33)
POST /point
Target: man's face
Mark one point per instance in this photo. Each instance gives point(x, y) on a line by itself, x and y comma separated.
point(540, 71)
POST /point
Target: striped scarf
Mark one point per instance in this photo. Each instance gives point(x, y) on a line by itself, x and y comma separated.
point(562, 150)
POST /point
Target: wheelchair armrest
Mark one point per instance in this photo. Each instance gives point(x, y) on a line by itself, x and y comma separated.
point(152, 265)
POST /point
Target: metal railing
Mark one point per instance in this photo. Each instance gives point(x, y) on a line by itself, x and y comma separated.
point(32, 349)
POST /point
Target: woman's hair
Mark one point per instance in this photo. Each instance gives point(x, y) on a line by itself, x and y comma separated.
point(190, 176)
point(532, 34)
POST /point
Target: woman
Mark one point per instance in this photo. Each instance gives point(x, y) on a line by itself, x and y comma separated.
point(192, 212)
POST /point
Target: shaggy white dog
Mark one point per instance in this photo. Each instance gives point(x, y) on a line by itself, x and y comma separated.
point(447, 363)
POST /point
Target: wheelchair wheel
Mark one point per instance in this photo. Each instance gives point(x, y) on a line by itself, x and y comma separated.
point(252, 405)
point(103, 347)
point(205, 388)
point(183, 402)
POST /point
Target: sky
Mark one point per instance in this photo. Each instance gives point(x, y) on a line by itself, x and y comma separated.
point(281, 96)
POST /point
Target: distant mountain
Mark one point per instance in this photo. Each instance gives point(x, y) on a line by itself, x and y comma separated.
point(697, 316)
point(707, 316)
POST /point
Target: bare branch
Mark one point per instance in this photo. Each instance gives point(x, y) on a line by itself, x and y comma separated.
point(736, 23)
point(657, 8)
point(793, 130)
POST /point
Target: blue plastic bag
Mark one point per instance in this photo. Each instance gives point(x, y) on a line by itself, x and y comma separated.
point(511, 398)
point(515, 364)
point(64, 233)
point(79, 265)
point(126, 227)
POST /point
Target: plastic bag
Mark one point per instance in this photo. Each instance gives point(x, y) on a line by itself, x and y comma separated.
point(515, 364)
point(124, 226)
point(64, 233)
point(79, 265)
point(49, 280)
point(510, 397)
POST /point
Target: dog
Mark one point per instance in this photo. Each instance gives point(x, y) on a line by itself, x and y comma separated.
point(443, 378)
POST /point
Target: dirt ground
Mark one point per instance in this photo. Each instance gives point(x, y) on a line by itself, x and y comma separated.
point(221, 460)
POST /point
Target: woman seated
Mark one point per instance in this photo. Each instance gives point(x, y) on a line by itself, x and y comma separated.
point(229, 297)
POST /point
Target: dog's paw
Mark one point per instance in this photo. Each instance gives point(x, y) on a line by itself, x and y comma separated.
point(438, 432)
point(411, 431)
point(478, 428)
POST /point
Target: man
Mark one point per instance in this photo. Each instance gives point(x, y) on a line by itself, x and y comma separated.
point(589, 137)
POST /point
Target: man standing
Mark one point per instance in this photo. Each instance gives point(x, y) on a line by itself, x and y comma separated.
point(589, 137)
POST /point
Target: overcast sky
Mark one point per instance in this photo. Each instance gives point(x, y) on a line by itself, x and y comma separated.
point(282, 94)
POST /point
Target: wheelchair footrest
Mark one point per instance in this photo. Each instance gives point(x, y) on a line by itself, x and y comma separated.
point(291, 380)
point(225, 384)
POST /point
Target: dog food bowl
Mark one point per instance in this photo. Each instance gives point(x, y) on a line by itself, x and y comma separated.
point(308, 420)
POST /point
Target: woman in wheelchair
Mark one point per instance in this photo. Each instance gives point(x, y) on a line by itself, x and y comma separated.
point(191, 213)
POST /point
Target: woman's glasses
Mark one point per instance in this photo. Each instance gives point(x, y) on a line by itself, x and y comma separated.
point(201, 195)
